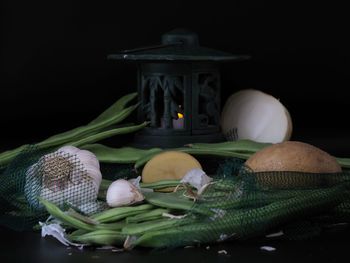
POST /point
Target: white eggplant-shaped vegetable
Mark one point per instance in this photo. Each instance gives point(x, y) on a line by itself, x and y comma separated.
point(255, 115)
point(68, 175)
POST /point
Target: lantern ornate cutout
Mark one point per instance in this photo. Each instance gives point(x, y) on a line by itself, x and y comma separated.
point(179, 90)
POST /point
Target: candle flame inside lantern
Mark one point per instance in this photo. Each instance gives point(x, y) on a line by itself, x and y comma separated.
point(180, 115)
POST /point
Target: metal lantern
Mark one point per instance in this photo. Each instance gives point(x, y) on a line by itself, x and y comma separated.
point(179, 90)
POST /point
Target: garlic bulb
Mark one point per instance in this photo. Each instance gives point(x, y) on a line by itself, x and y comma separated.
point(122, 192)
point(68, 175)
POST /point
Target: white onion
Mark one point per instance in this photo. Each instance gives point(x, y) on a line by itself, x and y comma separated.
point(254, 115)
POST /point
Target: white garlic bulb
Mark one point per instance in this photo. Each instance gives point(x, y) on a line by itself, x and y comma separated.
point(68, 175)
point(122, 192)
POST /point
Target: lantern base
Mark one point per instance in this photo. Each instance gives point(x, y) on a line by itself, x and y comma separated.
point(146, 141)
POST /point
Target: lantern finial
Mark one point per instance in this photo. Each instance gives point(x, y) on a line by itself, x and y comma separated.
point(180, 36)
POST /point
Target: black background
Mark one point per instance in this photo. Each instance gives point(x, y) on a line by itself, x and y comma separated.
point(54, 74)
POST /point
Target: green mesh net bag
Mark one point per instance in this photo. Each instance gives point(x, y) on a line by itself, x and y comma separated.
point(55, 176)
point(240, 204)
point(237, 204)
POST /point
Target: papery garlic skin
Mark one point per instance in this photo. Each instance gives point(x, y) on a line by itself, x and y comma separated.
point(136, 182)
point(196, 178)
point(89, 161)
point(68, 175)
point(121, 192)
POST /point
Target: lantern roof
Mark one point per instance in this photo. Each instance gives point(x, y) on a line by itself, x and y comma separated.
point(177, 45)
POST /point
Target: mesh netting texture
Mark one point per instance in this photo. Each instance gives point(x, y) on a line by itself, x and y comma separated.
point(237, 204)
point(54, 176)
point(241, 204)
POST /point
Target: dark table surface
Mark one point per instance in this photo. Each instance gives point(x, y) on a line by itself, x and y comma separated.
point(330, 247)
point(30, 247)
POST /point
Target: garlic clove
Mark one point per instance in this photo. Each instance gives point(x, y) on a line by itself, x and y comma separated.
point(68, 149)
point(88, 157)
point(121, 192)
point(94, 174)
